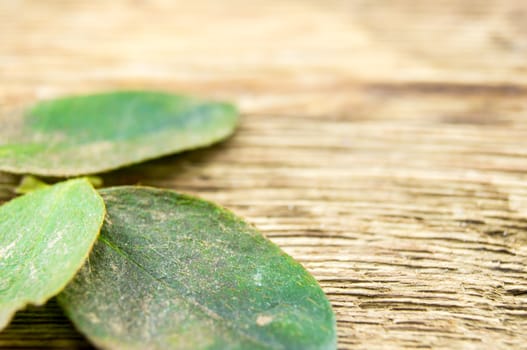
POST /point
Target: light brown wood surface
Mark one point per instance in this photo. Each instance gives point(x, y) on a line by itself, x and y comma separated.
point(383, 144)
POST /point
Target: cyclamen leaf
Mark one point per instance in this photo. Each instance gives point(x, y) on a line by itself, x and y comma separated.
point(95, 133)
point(170, 271)
point(45, 236)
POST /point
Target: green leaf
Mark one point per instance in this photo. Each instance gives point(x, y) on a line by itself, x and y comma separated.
point(30, 183)
point(45, 237)
point(170, 271)
point(94, 133)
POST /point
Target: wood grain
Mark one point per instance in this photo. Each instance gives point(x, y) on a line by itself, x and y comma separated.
point(383, 144)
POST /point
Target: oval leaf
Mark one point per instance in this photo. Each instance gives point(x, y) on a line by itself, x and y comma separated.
point(171, 271)
point(95, 133)
point(45, 236)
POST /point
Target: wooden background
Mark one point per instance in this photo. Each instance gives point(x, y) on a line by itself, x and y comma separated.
point(383, 144)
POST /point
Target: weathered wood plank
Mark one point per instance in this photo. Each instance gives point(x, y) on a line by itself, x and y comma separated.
point(383, 144)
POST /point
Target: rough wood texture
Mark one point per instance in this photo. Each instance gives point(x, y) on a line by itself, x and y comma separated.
point(383, 144)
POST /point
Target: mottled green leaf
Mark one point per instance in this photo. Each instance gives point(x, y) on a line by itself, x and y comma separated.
point(170, 271)
point(94, 133)
point(45, 237)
